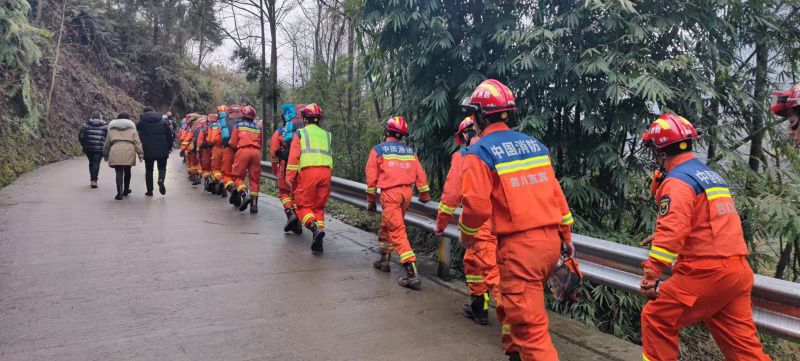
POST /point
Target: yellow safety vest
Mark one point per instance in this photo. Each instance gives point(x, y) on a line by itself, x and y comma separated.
point(315, 147)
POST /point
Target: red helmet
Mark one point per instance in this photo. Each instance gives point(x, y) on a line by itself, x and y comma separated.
point(465, 125)
point(213, 117)
point(397, 124)
point(222, 108)
point(784, 100)
point(249, 112)
point(669, 129)
point(235, 111)
point(312, 111)
point(491, 97)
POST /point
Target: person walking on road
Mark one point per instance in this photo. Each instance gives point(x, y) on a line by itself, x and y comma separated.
point(121, 149)
point(309, 168)
point(699, 235)
point(508, 174)
point(393, 167)
point(92, 138)
point(156, 135)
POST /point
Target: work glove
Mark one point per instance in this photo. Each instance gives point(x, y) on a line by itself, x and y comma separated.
point(649, 284)
point(424, 197)
point(372, 206)
point(568, 249)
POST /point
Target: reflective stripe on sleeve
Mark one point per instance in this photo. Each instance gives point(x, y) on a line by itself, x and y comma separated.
point(446, 209)
point(424, 188)
point(662, 254)
point(371, 190)
point(567, 219)
point(474, 278)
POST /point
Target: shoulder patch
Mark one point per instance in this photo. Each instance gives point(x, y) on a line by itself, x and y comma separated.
point(663, 206)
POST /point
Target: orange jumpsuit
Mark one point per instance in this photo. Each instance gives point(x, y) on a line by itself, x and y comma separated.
point(698, 226)
point(214, 139)
point(279, 169)
point(312, 185)
point(480, 258)
point(186, 146)
point(506, 175)
point(247, 140)
point(195, 150)
point(204, 151)
point(393, 167)
point(228, 154)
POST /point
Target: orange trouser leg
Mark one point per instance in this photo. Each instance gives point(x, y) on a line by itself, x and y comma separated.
point(312, 193)
point(205, 162)
point(227, 166)
point(715, 291)
point(525, 260)
point(480, 262)
point(395, 202)
point(216, 162)
point(284, 190)
point(247, 160)
point(191, 162)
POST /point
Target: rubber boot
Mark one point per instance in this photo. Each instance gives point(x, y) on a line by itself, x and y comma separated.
point(246, 200)
point(235, 198)
point(383, 262)
point(478, 309)
point(254, 205)
point(318, 234)
point(412, 279)
point(292, 222)
point(514, 356)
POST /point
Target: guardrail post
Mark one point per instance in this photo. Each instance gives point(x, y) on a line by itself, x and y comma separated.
point(444, 258)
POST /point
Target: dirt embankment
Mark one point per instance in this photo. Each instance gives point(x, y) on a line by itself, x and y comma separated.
point(30, 141)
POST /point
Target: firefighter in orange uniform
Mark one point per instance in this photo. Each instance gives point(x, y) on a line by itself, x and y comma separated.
point(195, 135)
point(279, 155)
point(229, 152)
point(699, 230)
point(247, 140)
point(183, 138)
point(205, 151)
point(506, 175)
point(214, 138)
point(480, 258)
point(394, 168)
point(786, 104)
point(311, 159)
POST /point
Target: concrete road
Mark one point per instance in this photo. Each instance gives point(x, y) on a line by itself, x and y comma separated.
point(184, 277)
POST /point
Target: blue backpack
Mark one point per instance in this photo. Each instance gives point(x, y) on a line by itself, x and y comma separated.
point(225, 130)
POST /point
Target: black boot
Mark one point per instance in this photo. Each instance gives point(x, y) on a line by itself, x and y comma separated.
point(478, 309)
point(514, 356)
point(292, 222)
point(221, 190)
point(196, 180)
point(319, 235)
point(235, 198)
point(207, 185)
point(246, 200)
point(161, 188)
point(254, 205)
point(383, 262)
point(412, 279)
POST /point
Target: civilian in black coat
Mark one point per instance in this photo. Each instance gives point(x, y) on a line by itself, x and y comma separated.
point(157, 137)
point(92, 137)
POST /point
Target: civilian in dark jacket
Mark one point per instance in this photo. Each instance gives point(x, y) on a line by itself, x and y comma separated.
point(157, 136)
point(92, 137)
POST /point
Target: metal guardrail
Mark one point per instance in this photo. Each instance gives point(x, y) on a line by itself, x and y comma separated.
point(776, 303)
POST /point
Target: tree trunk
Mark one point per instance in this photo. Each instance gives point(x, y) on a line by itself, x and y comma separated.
point(759, 96)
point(273, 63)
point(55, 61)
point(783, 262)
point(263, 72)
